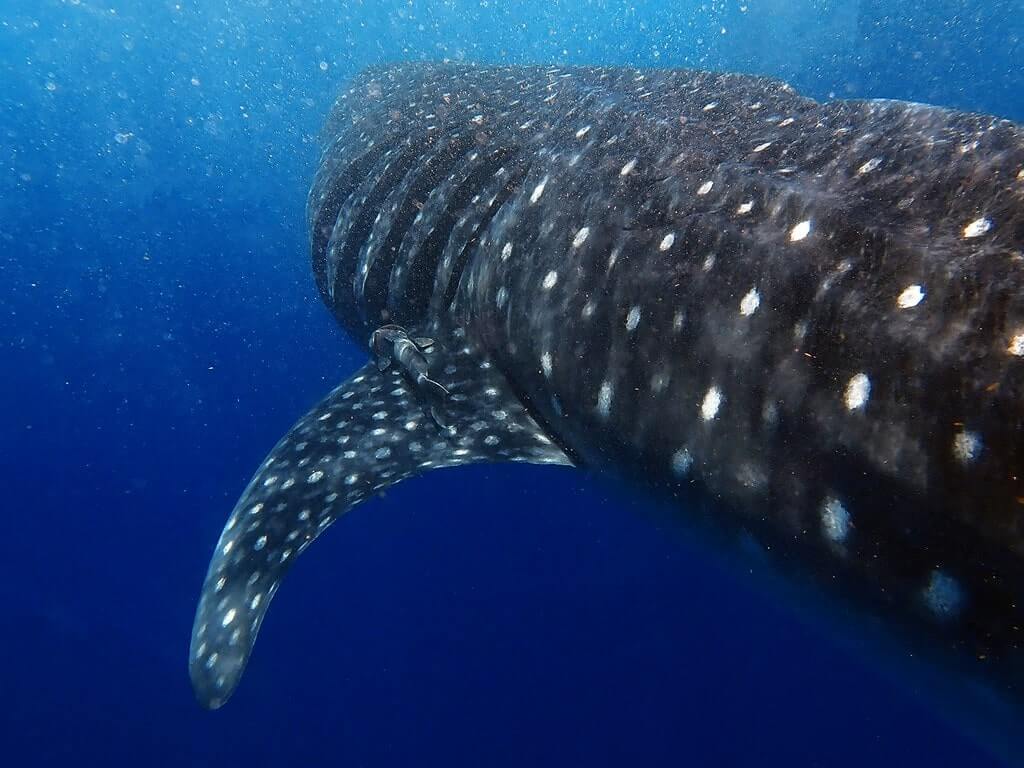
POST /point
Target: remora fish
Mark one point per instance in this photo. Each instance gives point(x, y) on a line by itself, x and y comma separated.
point(804, 321)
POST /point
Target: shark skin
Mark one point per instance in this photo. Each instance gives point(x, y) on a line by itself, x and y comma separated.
point(802, 321)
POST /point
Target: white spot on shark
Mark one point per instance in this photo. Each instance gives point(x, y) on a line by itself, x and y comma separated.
point(538, 190)
point(858, 390)
point(667, 241)
point(910, 297)
point(633, 319)
point(604, 399)
point(545, 364)
point(711, 403)
point(943, 595)
point(966, 446)
point(581, 237)
point(977, 228)
point(1016, 345)
point(681, 462)
point(750, 303)
point(800, 231)
point(870, 165)
point(835, 520)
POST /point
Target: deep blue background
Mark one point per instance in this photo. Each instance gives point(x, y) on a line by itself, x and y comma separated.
point(159, 331)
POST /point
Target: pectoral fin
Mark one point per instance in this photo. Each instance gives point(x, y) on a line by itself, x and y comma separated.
point(369, 433)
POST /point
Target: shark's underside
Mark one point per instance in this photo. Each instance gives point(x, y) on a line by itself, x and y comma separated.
point(804, 321)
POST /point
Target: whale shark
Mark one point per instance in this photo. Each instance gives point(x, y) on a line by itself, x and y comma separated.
point(801, 323)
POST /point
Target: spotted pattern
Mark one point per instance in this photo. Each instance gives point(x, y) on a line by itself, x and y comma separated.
point(309, 480)
point(808, 317)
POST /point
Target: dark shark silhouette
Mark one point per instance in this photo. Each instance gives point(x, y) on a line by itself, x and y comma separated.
point(804, 321)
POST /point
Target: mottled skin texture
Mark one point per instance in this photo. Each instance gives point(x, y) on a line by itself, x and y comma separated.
point(803, 321)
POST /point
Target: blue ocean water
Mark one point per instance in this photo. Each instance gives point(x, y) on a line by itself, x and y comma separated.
point(159, 330)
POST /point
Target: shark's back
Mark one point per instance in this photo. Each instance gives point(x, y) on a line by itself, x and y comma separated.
point(804, 321)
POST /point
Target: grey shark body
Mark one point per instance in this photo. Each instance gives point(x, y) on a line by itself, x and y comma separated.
point(804, 321)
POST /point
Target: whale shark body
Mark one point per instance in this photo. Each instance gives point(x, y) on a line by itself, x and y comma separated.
point(803, 322)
